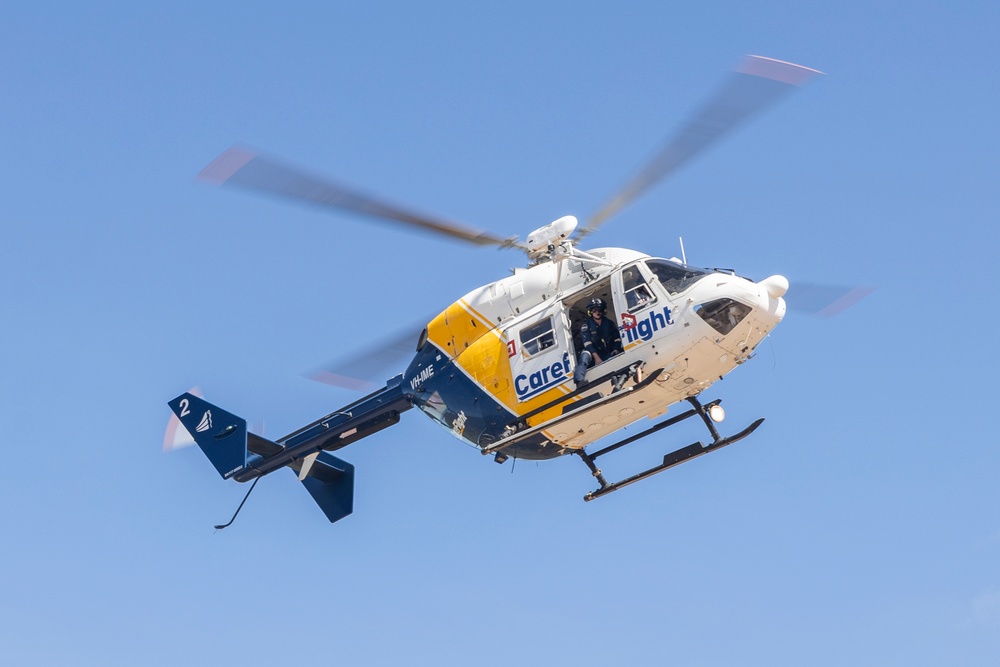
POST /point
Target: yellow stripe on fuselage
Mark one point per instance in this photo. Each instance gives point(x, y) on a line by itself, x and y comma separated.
point(458, 327)
point(480, 349)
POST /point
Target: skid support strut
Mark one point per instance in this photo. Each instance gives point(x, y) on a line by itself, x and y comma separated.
point(670, 460)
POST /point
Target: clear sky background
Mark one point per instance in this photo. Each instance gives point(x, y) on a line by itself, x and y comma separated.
point(859, 525)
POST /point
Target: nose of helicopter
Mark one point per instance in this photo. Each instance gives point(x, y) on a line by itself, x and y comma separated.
point(771, 289)
point(775, 286)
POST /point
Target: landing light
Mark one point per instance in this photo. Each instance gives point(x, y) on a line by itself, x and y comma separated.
point(716, 413)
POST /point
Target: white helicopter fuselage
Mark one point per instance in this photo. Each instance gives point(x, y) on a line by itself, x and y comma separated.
point(500, 360)
point(496, 368)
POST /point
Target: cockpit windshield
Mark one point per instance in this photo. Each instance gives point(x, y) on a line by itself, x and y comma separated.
point(675, 277)
point(723, 314)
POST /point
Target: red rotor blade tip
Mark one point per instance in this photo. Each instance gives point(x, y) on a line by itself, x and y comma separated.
point(223, 167)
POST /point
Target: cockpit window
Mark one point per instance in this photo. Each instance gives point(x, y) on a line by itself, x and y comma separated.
point(537, 337)
point(637, 292)
point(723, 314)
point(673, 276)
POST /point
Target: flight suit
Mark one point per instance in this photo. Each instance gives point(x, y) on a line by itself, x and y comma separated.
point(602, 339)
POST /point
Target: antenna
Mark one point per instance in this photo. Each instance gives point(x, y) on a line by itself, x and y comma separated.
point(684, 258)
point(226, 525)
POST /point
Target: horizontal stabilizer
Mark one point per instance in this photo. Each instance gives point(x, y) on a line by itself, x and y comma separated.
point(330, 481)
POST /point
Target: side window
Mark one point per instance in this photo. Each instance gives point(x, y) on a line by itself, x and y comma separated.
point(674, 277)
point(722, 314)
point(537, 338)
point(637, 292)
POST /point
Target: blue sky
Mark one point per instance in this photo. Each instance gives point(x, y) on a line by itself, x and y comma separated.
point(859, 525)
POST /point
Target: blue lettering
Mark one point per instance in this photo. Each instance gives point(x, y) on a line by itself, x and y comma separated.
point(657, 317)
point(542, 379)
point(645, 329)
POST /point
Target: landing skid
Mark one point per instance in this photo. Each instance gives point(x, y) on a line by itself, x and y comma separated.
point(670, 460)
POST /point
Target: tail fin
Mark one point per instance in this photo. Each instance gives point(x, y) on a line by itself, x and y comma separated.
point(224, 438)
point(220, 434)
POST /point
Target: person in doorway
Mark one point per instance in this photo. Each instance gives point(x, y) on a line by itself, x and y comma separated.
point(600, 339)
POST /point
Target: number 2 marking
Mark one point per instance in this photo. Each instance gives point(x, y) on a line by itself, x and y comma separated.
point(184, 407)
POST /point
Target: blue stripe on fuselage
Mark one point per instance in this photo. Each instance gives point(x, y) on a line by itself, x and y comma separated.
point(447, 395)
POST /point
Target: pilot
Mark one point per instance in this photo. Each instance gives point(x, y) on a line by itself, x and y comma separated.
point(638, 297)
point(636, 292)
point(600, 339)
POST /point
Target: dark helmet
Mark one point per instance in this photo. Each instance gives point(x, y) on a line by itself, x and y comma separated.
point(595, 305)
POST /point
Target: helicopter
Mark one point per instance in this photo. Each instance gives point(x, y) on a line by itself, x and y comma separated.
point(501, 368)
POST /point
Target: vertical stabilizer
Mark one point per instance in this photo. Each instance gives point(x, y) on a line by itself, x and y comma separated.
point(221, 435)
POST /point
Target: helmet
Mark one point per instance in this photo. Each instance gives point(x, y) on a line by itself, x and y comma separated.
point(596, 304)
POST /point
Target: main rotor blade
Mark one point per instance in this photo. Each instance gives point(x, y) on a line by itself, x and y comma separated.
point(824, 300)
point(756, 83)
point(247, 169)
point(367, 369)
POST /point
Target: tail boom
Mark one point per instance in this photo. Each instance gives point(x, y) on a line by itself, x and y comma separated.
point(238, 454)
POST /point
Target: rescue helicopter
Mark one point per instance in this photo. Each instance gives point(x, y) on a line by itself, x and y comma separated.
point(500, 368)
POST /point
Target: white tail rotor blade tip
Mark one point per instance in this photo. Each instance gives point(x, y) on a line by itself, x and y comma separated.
point(776, 70)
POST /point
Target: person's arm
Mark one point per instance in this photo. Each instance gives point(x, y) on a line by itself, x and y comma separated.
point(587, 336)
